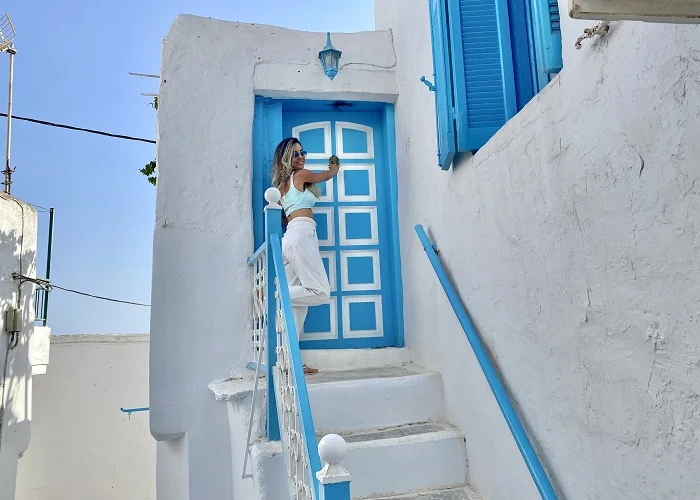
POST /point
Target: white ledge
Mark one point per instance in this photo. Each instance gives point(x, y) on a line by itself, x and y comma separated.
point(236, 389)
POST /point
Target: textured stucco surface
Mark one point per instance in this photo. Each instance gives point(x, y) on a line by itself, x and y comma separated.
point(210, 73)
point(573, 238)
point(39, 349)
point(18, 236)
point(83, 446)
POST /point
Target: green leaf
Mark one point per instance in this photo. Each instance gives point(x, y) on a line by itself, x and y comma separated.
point(148, 171)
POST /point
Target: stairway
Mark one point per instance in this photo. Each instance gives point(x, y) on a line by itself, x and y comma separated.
point(399, 445)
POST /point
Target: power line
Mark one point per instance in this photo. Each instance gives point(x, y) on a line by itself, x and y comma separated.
point(101, 298)
point(80, 129)
point(46, 285)
point(39, 207)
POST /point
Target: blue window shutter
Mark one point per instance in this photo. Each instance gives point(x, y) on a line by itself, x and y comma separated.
point(446, 142)
point(482, 63)
point(522, 42)
point(547, 35)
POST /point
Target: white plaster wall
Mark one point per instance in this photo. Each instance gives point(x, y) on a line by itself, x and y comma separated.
point(200, 320)
point(39, 349)
point(18, 237)
point(573, 239)
point(83, 446)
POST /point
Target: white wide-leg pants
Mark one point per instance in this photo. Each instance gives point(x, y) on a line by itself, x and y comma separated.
point(306, 276)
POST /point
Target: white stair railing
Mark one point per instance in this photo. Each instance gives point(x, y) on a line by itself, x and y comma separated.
point(275, 340)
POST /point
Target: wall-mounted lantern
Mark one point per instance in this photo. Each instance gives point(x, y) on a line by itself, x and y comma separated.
point(329, 57)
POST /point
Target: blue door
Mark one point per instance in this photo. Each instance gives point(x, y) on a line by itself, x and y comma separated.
point(354, 231)
point(356, 215)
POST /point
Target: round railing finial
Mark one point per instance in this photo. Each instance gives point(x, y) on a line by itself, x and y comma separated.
point(272, 195)
point(332, 449)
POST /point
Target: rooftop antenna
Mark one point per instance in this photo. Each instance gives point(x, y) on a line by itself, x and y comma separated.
point(7, 37)
point(146, 75)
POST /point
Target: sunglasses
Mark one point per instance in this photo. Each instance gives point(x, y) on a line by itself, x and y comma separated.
point(297, 153)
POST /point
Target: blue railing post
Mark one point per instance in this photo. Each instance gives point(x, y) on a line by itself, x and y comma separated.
point(273, 225)
point(333, 479)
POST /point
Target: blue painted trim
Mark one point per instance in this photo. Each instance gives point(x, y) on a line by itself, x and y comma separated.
point(453, 32)
point(545, 15)
point(252, 365)
point(267, 133)
point(511, 102)
point(133, 410)
point(335, 491)
point(357, 343)
point(523, 63)
point(499, 391)
point(258, 167)
point(393, 202)
point(302, 395)
point(306, 105)
point(273, 228)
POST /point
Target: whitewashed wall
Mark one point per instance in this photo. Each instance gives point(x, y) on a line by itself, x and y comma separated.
point(574, 239)
point(211, 71)
point(83, 446)
point(18, 236)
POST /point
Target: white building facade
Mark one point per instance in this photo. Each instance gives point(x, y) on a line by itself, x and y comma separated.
point(24, 347)
point(565, 213)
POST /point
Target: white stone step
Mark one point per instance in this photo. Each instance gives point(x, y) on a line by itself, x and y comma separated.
point(392, 461)
point(405, 459)
point(374, 398)
point(464, 493)
point(354, 359)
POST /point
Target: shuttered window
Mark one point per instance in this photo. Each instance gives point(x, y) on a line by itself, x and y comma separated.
point(442, 73)
point(490, 58)
point(548, 35)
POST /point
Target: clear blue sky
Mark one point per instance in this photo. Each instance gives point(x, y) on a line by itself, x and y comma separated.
point(72, 67)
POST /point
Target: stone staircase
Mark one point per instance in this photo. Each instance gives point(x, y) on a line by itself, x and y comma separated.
point(399, 445)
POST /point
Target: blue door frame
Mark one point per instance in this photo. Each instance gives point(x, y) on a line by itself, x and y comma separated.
point(270, 119)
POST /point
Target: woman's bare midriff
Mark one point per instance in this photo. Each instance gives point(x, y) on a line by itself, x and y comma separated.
point(302, 212)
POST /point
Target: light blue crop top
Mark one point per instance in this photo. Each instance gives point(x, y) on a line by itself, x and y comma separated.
point(296, 200)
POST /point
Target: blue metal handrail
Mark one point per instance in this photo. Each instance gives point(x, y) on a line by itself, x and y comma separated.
point(257, 253)
point(527, 451)
point(40, 298)
point(129, 411)
point(301, 392)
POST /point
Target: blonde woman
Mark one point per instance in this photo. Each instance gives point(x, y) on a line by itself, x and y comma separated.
point(306, 276)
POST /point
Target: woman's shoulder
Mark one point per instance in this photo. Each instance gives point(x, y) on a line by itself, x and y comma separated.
point(298, 179)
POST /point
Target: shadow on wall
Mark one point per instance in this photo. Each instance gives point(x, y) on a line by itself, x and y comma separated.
point(15, 391)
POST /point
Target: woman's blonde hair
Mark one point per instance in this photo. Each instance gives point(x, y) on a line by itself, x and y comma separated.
point(282, 165)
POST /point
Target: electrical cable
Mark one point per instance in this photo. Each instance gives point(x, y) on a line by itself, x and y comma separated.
point(80, 129)
point(39, 207)
point(48, 286)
